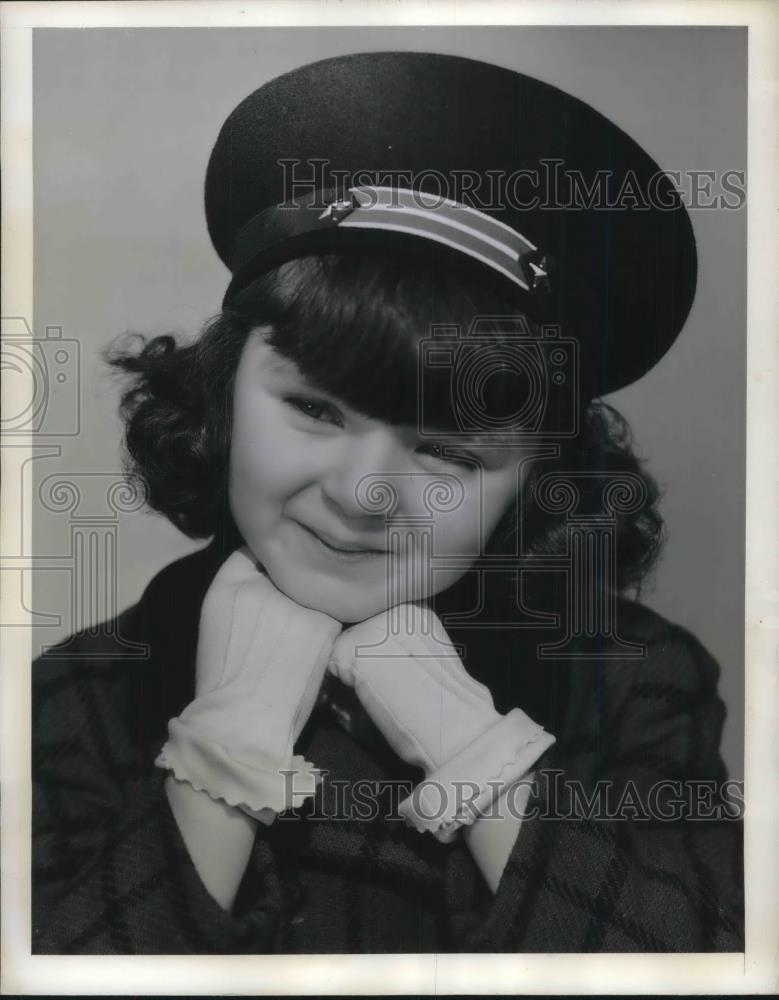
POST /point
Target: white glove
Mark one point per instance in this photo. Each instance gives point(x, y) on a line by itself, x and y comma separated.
point(261, 659)
point(434, 715)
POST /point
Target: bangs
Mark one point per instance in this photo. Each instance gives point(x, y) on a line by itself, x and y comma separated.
point(387, 335)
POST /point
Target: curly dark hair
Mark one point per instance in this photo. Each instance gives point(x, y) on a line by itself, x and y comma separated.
point(353, 325)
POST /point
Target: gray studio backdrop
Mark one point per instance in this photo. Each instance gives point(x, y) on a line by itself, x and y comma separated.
point(124, 124)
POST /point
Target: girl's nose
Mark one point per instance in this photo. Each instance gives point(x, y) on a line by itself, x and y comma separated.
point(353, 479)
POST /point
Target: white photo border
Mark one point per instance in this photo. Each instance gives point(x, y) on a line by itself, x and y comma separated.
point(757, 970)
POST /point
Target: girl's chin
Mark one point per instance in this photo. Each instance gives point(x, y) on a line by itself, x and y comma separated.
point(347, 614)
point(347, 603)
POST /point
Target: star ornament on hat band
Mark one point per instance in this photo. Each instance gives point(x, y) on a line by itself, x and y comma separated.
point(432, 217)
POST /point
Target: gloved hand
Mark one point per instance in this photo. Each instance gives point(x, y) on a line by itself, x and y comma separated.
point(434, 715)
point(261, 659)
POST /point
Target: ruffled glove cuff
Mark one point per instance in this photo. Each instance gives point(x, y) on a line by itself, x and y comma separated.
point(261, 789)
point(464, 787)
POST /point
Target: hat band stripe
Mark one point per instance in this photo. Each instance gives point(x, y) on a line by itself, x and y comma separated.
point(459, 245)
point(462, 216)
point(427, 223)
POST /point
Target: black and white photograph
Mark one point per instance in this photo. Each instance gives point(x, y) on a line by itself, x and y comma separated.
point(379, 444)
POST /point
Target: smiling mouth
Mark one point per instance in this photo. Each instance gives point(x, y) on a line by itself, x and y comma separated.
point(346, 549)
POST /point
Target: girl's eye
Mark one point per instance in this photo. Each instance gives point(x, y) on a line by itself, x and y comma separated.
point(437, 451)
point(316, 409)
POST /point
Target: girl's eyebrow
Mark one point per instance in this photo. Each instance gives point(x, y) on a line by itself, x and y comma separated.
point(286, 368)
point(277, 364)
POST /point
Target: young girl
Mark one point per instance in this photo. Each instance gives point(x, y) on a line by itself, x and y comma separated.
point(400, 702)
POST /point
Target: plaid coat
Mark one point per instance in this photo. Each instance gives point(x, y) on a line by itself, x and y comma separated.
point(111, 874)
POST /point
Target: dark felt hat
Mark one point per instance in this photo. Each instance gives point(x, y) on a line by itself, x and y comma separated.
point(445, 154)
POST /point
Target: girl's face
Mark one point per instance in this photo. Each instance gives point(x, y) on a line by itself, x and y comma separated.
point(306, 470)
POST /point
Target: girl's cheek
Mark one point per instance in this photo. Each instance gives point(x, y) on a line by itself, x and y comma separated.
point(457, 533)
